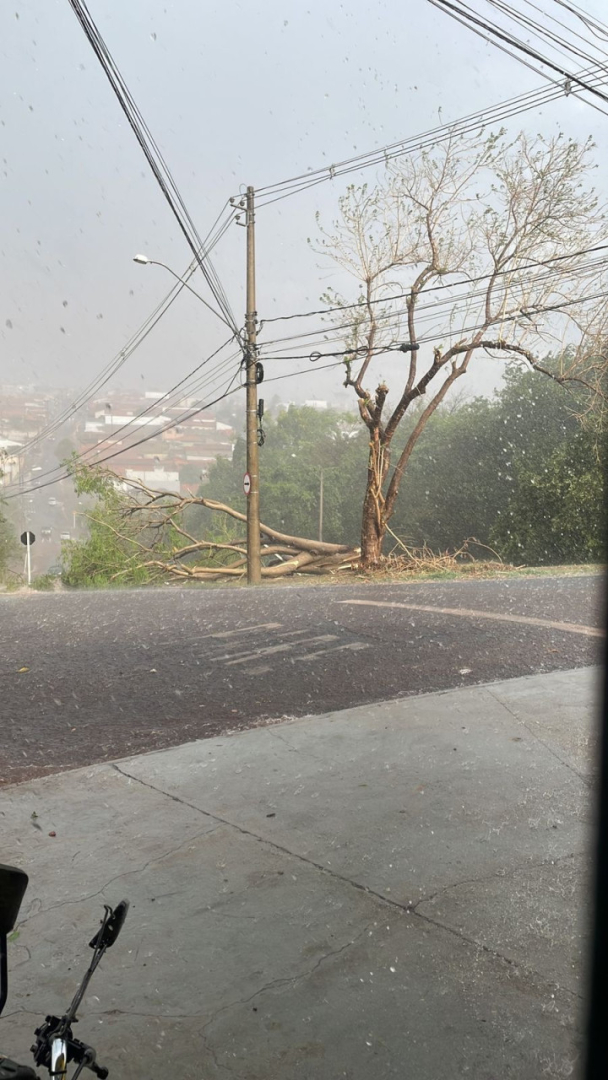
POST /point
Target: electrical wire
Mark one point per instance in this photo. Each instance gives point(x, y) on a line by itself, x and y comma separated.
point(543, 32)
point(433, 308)
point(182, 419)
point(491, 115)
point(397, 346)
point(230, 389)
point(564, 25)
point(482, 28)
point(392, 347)
point(155, 159)
point(597, 28)
point(132, 344)
point(436, 288)
point(165, 401)
point(168, 398)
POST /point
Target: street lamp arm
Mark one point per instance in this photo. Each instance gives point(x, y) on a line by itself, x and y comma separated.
point(144, 261)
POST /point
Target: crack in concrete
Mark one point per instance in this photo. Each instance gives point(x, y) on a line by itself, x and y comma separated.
point(291, 980)
point(275, 735)
point(294, 749)
point(388, 902)
point(497, 875)
point(218, 1064)
point(535, 735)
point(117, 877)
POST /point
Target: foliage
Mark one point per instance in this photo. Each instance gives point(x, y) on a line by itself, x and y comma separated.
point(45, 582)
point(556, 512)
point(300, 443)
point(518, 472)
point(9, 546)
point(464, 468)
point(109, 548)
point(467, 472)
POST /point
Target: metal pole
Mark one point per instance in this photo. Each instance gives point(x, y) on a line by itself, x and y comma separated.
point(321, 506)
point(29, 558)
point(254, 566)
point(3, 972)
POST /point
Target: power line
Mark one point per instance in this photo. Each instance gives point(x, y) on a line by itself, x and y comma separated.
point(482, 28)
point(564, 25)
point(425, 313)
point(231, 389)
point(543, 32)
point(182, 419)
point(189, 391)
point(446, 285)
point(397, 346)
point(491, 115)
point(130, 347)
point(155, 159)
point(335, 356)
point(598, 28)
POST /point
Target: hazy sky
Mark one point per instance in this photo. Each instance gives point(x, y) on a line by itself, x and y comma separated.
point(235, 93)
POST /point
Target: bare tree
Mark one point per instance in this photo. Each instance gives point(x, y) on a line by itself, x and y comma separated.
point(497, 235)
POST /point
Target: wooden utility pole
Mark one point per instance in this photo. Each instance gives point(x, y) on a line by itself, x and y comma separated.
point(321, 506)
point(254, 565)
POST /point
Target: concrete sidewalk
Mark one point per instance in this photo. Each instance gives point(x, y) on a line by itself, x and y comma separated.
point(397, 890)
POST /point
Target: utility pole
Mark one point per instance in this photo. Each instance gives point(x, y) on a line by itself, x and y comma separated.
point(321, 506)
point(254, 565)
point(28, 558)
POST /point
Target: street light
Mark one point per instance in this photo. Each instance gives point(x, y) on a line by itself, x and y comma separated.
point(143, 260)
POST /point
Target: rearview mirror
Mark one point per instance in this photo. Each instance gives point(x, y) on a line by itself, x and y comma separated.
point(13, 883)
point(111, 927)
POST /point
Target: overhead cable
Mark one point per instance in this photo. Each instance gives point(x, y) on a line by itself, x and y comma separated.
point(482, 28)
point(136, 339)
point(155, 159)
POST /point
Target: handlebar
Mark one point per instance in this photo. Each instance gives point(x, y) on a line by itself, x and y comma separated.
point(55, 1045)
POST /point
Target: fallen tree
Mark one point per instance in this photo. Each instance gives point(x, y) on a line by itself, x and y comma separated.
point(139, 534)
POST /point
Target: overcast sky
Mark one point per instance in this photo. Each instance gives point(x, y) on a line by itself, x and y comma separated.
point(235, 93)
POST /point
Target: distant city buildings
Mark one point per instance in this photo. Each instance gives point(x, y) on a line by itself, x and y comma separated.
point(171, 448)
point(162, 447)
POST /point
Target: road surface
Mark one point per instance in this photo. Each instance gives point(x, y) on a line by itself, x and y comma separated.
point(90, 676)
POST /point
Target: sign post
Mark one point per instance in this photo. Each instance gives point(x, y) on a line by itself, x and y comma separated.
point(27, 538)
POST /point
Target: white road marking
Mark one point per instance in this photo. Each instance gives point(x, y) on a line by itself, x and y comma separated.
point(286, 647)
point(245, 630)
point(470, 613)
point(354, 646)
point(246, 658)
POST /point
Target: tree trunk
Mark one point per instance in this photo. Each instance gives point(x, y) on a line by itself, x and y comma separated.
point(373, 524)
point(372, 533)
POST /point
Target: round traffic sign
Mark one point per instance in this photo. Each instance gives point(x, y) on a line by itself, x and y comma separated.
point(246, 483)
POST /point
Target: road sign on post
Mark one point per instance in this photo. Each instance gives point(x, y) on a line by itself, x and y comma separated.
point(246, 483)
point(27, 538)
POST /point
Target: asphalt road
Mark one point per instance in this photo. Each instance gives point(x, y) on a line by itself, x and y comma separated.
point(86, 677)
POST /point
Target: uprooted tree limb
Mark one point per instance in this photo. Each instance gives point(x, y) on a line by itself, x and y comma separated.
point(151, 529)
